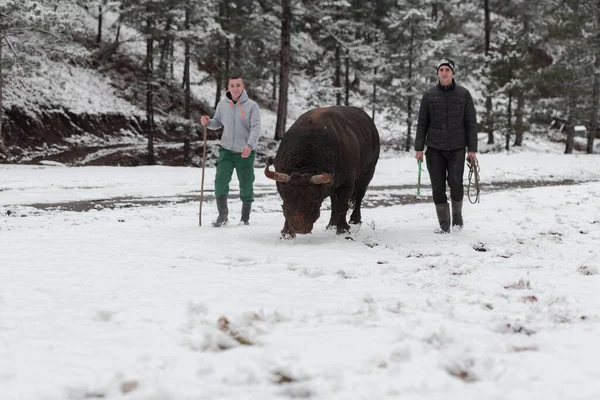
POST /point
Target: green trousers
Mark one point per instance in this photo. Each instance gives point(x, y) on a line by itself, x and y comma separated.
point(244, 168)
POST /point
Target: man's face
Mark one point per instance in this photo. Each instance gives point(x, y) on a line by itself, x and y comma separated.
point(445, 74)
point(236, 86)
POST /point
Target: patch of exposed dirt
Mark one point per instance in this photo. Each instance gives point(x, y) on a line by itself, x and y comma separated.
point(108, 140)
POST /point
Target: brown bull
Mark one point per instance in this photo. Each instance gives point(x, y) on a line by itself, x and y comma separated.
point(328, 152)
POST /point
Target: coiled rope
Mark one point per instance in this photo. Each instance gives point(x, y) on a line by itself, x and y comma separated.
point(473, 179)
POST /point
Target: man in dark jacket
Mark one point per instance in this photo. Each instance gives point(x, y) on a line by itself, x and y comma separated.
point(447, 125)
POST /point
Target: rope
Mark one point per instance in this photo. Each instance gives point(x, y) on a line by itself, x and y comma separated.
point(419, 177)
point(473, 172)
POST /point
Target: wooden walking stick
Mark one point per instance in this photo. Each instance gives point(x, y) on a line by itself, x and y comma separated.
point(202, 184)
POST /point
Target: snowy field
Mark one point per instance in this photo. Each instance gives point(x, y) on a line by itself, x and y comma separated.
point(139, 302)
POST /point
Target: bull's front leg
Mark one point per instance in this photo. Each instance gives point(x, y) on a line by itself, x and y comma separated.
point(340, 208)
point(286, 232)
point(333, 220)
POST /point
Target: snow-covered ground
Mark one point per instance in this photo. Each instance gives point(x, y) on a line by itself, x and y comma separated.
point(141, 303)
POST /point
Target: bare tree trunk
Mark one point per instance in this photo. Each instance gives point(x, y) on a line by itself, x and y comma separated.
point(237, 49)
point(509, 109)
point(570, 135)
point(595, 104)
point(356, 81)
point(172, 58)
point(409, 102)
point(284, 68)
point(434, 10)
point(489, 118)
point(2, 147)
point(225, 22)
point(519, 125)
point(488, 25)
point(149, 82)
point(100, 16)
point(219, 83)
point(337, 83)
point(222, 73)
point(274, 92)
point(187, 110)
point(520, 111)
point(374, 98)
point(119, 23)
point(165, 45)
point(227, 69)
point(509, 122)
point(347, 82)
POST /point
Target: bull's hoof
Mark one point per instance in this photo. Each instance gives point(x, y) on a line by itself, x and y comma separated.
point(343, 231)
point(355, 222)
point(330, 226)
point(287, 235)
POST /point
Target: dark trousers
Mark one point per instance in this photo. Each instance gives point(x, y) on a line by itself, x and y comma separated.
point(446, 165)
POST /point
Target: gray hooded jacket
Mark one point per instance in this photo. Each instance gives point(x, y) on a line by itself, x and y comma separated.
point(240, 122)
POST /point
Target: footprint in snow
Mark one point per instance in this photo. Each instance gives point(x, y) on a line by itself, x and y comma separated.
point(237, 261)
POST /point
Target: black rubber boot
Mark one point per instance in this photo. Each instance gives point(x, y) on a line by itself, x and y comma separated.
point(246, 207)
point(223, 212)
point(457, 219)
point(443, 214)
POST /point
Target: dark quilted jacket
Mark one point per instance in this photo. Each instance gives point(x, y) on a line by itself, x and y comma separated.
point(447, 119)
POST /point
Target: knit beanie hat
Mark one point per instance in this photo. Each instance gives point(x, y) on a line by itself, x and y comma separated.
point(447, 62)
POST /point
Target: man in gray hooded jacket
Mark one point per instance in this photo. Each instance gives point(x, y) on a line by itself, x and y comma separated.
point(240, 119)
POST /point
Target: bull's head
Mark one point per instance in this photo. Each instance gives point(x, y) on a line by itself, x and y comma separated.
point(302, 195)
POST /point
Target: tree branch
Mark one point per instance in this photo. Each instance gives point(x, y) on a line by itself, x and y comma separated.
point(46, 32)
point(266, 8)
point(8, 42)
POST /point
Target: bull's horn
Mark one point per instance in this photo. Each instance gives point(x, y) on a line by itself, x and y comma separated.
point(321, 179)
point(276, 176)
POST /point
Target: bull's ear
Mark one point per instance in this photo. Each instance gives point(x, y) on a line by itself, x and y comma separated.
point(321, 179)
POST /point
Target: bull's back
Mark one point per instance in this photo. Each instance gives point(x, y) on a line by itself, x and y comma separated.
point(357, 123)
point(342, 135)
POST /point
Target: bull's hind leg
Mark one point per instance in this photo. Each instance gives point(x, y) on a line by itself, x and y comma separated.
point(359, 194)
point(360, 190)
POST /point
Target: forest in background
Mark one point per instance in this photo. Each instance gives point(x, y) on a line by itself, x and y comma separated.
point(530, 65)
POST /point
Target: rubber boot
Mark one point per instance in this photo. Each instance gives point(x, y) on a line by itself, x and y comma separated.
point(246, 207)
point(223, 212)
point(443, 214)
point(457, 219)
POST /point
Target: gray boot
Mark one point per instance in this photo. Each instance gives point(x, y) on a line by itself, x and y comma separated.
point(223, 212)
point(443, 214)
point(457, 220)
point(246, 207)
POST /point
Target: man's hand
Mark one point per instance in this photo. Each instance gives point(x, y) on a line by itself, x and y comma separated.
point(204, 120)
point(246, 151)
point(419, 155)
point(471, 154)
